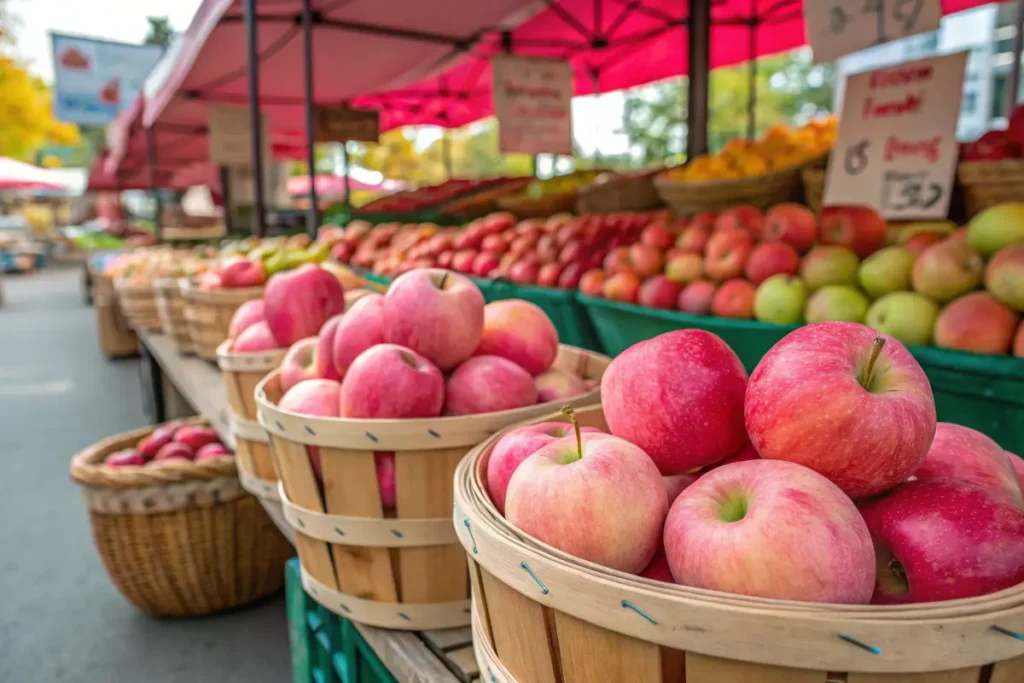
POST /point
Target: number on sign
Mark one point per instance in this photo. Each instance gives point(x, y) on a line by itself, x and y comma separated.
point(903, 13)
point(856, 158)
point(910, 191)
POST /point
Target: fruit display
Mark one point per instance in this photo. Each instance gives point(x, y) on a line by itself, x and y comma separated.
point(410, 201)
point(143, 266)
point(997, 145)
point(545, 197)
point(175, 441)
point(711, 479)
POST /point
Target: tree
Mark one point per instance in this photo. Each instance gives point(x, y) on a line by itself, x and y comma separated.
point(26, 117)
point(160, 32)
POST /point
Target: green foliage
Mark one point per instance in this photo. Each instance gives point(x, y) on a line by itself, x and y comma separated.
point(160, 32)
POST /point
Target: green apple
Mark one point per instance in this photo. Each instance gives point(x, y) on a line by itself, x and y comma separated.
point(318, 252)
point(907, 316)
point(885, 271)
point(780, 299)
point(996, 228)
point(834, 303)
point(829, 265)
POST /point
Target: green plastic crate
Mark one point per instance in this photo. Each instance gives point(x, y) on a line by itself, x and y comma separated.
point(325, 647)
point(978, 391)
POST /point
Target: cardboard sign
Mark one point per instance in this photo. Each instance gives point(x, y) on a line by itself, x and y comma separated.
point(230, 136)
point(341, 124)
point(839, 27)
point(532, 99)
point(896, 150)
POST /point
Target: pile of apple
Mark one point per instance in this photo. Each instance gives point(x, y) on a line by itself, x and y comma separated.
point(996, 145)
point(823, 477)
point(427, 348)
point(141, 267)
point(170, 442)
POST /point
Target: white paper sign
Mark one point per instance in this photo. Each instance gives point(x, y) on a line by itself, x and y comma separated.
point(896, 150)
point(230, 136)
point(532, 102)
point(839, 27)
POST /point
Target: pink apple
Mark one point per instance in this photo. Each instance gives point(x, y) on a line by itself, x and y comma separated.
point(316, 398)
point(389, 381)
point(658, 569)
point(196, 436)
point(944, 540)
point(976, 322)
point(771, 258)
point(748, 452)
point(361, 327)
point(174, 451)
point(962, 453)
point(238, 271)
point(299, 363)
point(324, 356)
point(436, 313)
point(613, 480)
point(696, 298)
point(299, 302)
point(487, 384)
point(770, 529)
point(846, 401)
point(212, 451)
point(255, 338)
point(658, 292)
point(247, 315)
point(515, 447)
point(679, 397)
point(151, 445)
point(676, 484)
point(734, 299)
point(384, 462)
point(521, 332)
point(1018, 467)
point(727, 253)
point(555, 384)
point(129, 457)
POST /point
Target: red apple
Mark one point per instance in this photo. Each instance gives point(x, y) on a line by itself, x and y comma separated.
point(706, 219)
point(592, 282)
point(771, 258)
point(694, 238)
point(384, 462)
point(300, 362)
point(484, 264)
point(944, 540)
point(859, 228)
point(734, 299)
point(658, 569)
point(324, 356)
point(300, 301)
point(676, 484)
point(873, 414)
point(316, 398)
point(657, 236)
point(494, 244)
point(746, 218)
point(922, 240)
point(254, 339)
point(361, 328)
point(521, 332)
point(617, 260)
point(548, 274)
point(238, 271)
point(570, 276)
point(555, 385)
point(726, 254)
point(947, 270)
point(658, 292)
point(962, 453)
point(976, 322)
point(524, 272)
point(444, 259)
point(696, 298)
point(487, 384)
point(245, 316)
point(128, 457)
point(791, 223)
point(212, 451)
point(462, 261)
point(1018, 467)
point(174, 451)
point(196, 436)
point(623, 286)
point(391, 382)
point(1004, 276)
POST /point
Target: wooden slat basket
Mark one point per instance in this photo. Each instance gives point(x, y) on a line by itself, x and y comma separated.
point(623, 193)
point(209, 314)
point(401, 568)
point(542, 616)
point(989, 183)
point(138, 303)
point(763, 192)
point(116, 337)
point(182, 539)
point(170, 305)
point(814, 187)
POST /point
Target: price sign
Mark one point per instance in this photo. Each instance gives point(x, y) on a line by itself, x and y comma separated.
point(896, 150)
point(532, 102)
point(230, 136)
point(839, 27)
point(341, 124)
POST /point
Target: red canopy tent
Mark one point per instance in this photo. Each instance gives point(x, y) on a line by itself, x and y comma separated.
point(17, 175)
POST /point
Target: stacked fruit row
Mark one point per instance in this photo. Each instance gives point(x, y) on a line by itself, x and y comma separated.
point(174, 441)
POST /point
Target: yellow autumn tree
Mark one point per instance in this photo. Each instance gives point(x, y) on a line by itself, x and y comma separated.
point(26, 114)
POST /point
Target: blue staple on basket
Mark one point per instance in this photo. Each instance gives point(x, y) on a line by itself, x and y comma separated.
point(340, 532)
point(345, 608)
point(466, 522)
point(396, 533)
point(404, 616)
point(627, 604)
point(433, 434)
point(310, 431)
point(862, 645)
point(300, 522)
point(371, 437)
point(1007, 632)
point(280, 427)
point(543, 588)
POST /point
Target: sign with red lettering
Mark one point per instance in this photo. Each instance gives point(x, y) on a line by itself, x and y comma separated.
point(532, 102)
point(839, 27)
point(896, 150)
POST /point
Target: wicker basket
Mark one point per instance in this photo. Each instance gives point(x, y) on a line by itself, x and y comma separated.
point(542, 615)
point(401, 571)
point(116, 337)
point(989, 183)
point(170, 305)
point(183, 539)
point(814, 187)
point(762, 192)
point(138, 303)
point(522, 206)
point(624, 193)
point(209, 314)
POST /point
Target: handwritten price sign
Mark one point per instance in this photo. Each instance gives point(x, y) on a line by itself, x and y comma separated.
point(532, 102)
point(896, 150)
point(839, 27)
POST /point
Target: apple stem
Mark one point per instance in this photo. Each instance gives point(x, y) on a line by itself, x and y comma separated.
point(571, 414)
point(876, 348)
point(444, 279)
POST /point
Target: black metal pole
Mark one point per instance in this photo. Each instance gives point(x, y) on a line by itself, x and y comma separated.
point(256, 139)
point(151, 161)
point(752, 75)
point(225, 197)
point(348, 186)
point(699, 28)
point(313, 217)
point(1013, 91)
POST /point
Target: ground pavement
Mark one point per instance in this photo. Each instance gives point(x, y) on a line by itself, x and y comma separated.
point(60, 617)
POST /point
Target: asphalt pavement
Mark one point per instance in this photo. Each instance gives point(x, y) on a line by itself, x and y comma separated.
point(61, 619)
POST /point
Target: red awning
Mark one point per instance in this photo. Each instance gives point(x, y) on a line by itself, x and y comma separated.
point(17, 175)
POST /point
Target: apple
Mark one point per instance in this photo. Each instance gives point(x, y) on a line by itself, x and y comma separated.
point(494, 244)
point(780, 300)
point(521, 332)
point(873, 413)
point(905, 316)
point(462, 261)
point(487, 384)
point(324, 356)
point(791, 223)
point(694, 238)
point(360, 328)
point(992, 146)
point(684, 268)
point(196, 436)
point(483, 264)
point(836, 302)
point(679, 397)
point(392, 382)
point(617, 260)
point(592, 282)
point(770, 529)
point(128, 457)
point(922, 240)
point(734, 299)
point(1015, 127)
point(705, 219)
point(944, 540)
point(858, 228)
point(524, 272)
point(676, 484)
point(570, 276)
point(300, 362)
point(150, 445)
point(829, 265)
point(1004, 276)
point(548, 274)
point(245, 316)
point(976, 322)
point(946, 270)
point(658, 292)
point(658, 569)
point(1018, 467)
point(748, 452)
point(212, 451)
point(696, 297)
point(726, 254)
point(384, 463)
point(445, 258)
point(612, 479)
point(996, 228)
point(554, 385)
point(299, 302)
point(255, 338)
point(436, 313)
point(962, 453)
point(657, 236)
point(516, 446)
point(771, 258)
point(623, 286)
point(174, 451)
point(646, 261)
point(886, 271)
point(316, 398)
point(238, 271)
point(746, 218)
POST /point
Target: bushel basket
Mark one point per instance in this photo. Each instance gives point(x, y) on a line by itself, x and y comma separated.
point(138, 303)
point(209, 314)
point(170, 306)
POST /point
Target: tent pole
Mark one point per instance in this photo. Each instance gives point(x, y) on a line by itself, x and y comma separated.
point(151, 161)
point(699, 29)
point(313, 217)
point(1013, 92)
point(256, 132)
point(225, 197)
point(752, 75)
point(348, 187)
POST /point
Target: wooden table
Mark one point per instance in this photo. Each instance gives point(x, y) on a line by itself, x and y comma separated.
point(183, 386)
